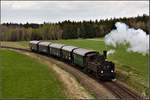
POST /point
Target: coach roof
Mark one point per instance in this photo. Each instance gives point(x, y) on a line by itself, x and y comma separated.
point(45, 43)
point(34, 42)
point(83, 52)
point(69, 48)
point(56, 45)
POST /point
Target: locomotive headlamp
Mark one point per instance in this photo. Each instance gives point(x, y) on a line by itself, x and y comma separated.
point(69, 57)
point(101, 71)
point(112, 71)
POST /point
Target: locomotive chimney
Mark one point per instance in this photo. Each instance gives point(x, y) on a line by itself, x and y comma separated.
point(105, 54)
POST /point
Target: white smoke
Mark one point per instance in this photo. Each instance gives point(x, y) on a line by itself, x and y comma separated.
point(138, 40)
point(111, 51)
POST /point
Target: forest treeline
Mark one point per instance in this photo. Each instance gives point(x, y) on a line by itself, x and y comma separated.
point(68, 29)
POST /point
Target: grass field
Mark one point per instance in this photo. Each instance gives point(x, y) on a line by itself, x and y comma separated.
point(24, 77)
point(134, 65)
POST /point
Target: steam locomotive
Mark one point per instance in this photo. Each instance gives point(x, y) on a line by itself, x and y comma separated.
point(88, 60)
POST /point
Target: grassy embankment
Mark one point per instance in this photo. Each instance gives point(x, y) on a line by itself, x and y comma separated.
point(20, 79)
point(22, 44)
point(132, 68)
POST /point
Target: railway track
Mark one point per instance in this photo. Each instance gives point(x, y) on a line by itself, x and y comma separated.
point(120, 91)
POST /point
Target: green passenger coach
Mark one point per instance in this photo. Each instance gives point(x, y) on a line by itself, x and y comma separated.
point(34, 45)
point(67, 52)
point(80, 56)
point(55, 49)
point(43, 47)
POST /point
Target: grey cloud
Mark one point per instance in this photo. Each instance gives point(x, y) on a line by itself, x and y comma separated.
point(53, 11)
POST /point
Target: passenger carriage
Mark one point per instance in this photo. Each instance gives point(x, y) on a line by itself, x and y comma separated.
point(34, 45)
point(44, 47)
point(80, 56)
point(55, 49)
point(67, 52)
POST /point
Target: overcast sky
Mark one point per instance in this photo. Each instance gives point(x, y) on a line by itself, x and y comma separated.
point(54, 11)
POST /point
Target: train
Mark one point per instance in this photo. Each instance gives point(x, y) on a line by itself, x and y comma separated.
point(90, 61)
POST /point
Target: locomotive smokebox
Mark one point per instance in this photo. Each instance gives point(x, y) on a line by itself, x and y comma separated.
point(105, 54)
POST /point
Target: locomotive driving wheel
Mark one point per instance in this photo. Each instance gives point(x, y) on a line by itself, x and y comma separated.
point(98, 73)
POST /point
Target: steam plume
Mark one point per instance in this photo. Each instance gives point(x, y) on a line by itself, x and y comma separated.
point(138, 40)
point(111, 51)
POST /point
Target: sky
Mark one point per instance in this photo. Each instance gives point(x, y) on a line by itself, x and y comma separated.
point(54, 11)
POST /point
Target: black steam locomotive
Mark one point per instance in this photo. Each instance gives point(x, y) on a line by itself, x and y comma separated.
point(88, 60)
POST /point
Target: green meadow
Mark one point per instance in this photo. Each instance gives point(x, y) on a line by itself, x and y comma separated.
point(132, 68)
point(24, 77)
